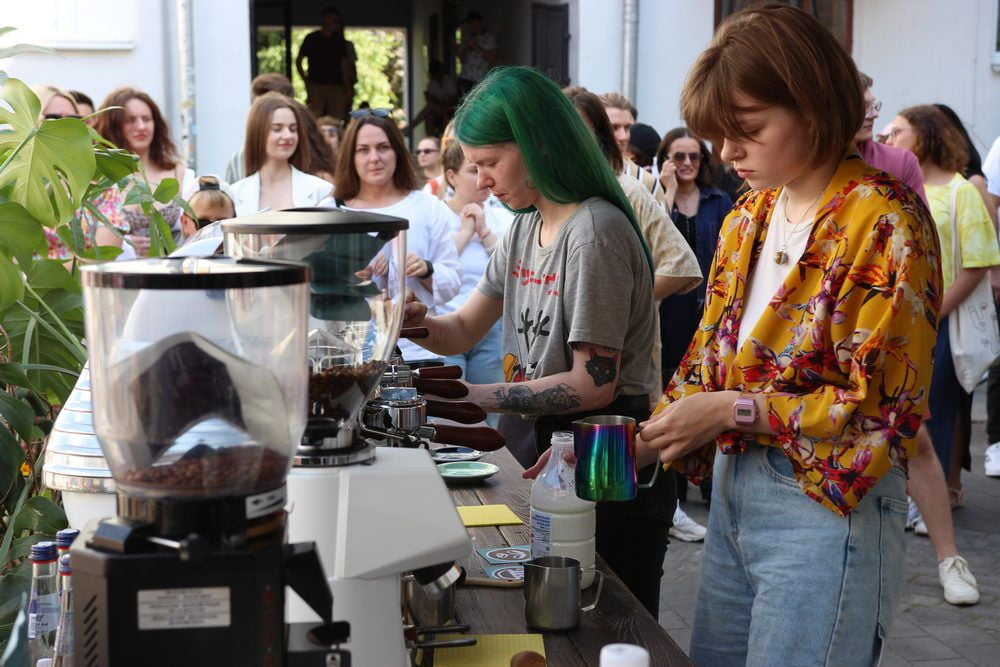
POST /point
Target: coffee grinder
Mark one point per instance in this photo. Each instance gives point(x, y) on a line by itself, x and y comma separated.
point(199, 400)
point(374, 511)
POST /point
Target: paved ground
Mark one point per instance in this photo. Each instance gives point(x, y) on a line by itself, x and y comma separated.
point(927, 631)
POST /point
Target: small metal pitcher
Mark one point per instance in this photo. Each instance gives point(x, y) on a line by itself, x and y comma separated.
point(552, 593)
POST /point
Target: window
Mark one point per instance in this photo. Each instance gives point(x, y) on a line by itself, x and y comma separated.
point(836, 15)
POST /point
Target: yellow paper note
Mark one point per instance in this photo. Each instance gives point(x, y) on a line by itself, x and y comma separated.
point(489, 651)
point(488, 515)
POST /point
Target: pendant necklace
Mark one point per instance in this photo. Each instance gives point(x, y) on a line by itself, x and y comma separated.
point(781, 256)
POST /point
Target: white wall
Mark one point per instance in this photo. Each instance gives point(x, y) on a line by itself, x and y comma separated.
point(104, 44)
point(923, 51)
point(222, 80)
point(596, 44)
point(671, 35)
point(109, 43)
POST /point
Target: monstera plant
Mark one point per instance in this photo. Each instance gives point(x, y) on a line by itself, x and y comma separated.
point(50, 171)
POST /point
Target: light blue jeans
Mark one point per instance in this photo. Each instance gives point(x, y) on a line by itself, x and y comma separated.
point(785, 581)
point(483, 364)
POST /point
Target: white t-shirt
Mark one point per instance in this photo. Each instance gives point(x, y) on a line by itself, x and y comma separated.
point(430, 238)
point(768, 275)
point(991, 169)
point(475, 257)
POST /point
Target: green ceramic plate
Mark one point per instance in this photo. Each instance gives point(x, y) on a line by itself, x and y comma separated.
point(467, 471)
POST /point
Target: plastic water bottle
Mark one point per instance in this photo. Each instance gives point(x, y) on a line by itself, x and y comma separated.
point(43, 606)
point(562, 524)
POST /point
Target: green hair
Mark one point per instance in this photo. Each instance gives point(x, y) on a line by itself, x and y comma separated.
point(521, 105)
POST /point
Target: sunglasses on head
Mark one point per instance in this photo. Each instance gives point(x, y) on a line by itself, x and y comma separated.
point(57, 116)
point(380, 112)
point(679, 157)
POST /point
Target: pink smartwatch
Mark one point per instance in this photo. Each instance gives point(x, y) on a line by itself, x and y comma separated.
point(745, 411)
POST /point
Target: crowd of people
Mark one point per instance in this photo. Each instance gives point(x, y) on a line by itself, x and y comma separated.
point(784, 272)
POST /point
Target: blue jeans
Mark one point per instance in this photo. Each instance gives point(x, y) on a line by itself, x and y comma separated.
point(785, 581)
point(483, 364)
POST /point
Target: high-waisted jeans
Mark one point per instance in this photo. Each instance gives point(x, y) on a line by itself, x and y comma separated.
point(785, 581)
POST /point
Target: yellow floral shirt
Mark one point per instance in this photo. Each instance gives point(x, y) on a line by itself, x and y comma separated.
point(842, 354)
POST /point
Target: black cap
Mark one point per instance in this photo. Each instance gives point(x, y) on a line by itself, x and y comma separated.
point(644, 138)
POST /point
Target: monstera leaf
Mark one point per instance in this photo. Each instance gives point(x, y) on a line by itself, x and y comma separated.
point(49, 165)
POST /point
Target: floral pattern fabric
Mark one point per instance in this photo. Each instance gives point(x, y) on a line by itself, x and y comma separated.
point(843, 352)
point(109, 203)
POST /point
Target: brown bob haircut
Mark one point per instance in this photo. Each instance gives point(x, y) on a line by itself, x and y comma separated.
point(111, 125)
point(938, 141)
point(452, 159)
point(775, 55)
point(591, 108)
point(347, 183)
point(705, 176)
point(258, 126)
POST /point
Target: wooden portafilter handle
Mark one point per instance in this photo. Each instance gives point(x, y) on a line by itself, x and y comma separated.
point(461, 412)
point(442, 388)
point(414, 332)
point(439, 372)
point(482, 438)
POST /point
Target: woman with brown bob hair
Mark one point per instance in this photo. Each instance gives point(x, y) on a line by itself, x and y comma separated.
point(375, 174)
point(807, 376)
point(138, 126)
point(276, 158)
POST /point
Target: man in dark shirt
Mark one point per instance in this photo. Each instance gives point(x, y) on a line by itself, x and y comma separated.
point(331, 76)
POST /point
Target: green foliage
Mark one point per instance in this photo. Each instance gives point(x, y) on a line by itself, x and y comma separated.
point(380, 66)
point(50, 165)
point(49, 170)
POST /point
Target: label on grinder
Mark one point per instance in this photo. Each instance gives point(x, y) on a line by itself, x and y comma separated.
point(176, 608)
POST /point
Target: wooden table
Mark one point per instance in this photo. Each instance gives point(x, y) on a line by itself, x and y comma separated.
point(618, 617)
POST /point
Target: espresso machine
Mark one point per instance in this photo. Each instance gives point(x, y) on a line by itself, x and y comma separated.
point(363, 485)
point(199, 385)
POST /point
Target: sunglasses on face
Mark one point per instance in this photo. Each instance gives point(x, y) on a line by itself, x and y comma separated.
point(57, 116)
point(426, 151)
point(381, 112)
point(679, 156)
point(330, 131)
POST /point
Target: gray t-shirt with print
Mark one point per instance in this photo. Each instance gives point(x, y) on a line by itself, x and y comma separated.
point(591, 285)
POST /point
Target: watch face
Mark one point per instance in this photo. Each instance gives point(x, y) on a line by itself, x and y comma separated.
point(744, 413)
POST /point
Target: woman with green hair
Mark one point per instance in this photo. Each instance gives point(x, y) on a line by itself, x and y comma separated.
point(572, 281)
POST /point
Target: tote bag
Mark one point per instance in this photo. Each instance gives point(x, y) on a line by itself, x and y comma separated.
point(972, 326)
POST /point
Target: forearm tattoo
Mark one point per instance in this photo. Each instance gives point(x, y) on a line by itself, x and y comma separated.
point(521, 399)
point(603, 369)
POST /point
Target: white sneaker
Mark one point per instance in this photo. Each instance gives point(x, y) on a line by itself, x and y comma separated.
point(685, 528)
point(914, 521)
point(959, 585)
point(993, 460)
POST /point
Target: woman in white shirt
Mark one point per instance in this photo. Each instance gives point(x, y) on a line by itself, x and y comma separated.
point(375, 174)
point(275, 156)
point(476, 230)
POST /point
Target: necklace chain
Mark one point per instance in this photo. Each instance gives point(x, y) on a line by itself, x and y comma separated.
point(781, 257)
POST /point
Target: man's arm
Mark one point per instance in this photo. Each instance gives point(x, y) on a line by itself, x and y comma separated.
point(299, 58)
point(588, 385)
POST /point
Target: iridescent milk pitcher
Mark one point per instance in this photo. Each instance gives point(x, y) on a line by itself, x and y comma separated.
point(605, 458)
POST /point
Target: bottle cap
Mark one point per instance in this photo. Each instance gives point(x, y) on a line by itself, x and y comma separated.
point(65, 566)
point(65, 537)
point(624, 655)
point(562, 438)
point(43, 552)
